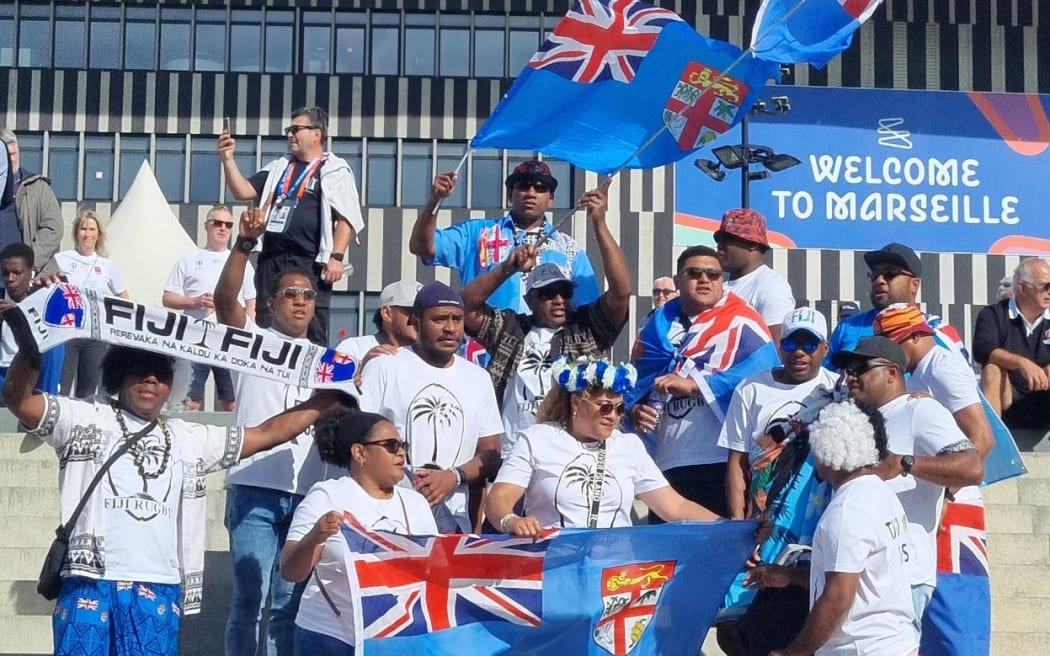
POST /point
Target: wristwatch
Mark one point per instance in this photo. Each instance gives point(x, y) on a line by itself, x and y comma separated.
point(338, 256)
point(245, 244)
point(907, 462)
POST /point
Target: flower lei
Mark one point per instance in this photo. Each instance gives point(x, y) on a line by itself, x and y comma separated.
point(578, 375)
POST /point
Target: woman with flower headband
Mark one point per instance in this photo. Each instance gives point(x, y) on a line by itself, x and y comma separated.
point(575, 468)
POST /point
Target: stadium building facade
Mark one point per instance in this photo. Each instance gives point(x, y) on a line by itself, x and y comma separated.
point(94, 88)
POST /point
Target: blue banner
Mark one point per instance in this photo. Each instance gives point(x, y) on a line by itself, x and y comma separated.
point(938, 171)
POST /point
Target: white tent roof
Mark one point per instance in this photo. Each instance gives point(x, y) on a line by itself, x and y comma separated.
point(145, 238)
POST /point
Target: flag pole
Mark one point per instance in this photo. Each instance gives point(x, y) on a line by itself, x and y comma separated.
point(656, 135)
point(462, 160)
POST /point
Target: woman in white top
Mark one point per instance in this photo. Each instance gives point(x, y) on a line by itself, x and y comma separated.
point(574, 468)
point(87, 267)
point(371, 448)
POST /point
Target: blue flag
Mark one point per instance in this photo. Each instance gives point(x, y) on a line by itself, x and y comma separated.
point(813, 31)
point(643, 590)
point(610, 76)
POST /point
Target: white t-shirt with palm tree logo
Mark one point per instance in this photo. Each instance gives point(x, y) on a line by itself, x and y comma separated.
point(559, 474)
point(527, 386)
point(440, 412)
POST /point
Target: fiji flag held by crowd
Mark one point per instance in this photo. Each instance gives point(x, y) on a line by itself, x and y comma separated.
point(610, 76)
point(642, 591)
point(813, 31)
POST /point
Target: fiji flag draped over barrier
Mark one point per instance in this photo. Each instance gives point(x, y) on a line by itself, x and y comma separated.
point(813, 31)
point(609, 77)
point(642, 591)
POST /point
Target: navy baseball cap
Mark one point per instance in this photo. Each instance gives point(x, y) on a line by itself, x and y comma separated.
point(436, 294)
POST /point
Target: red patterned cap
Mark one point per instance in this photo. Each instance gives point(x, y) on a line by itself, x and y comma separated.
point(744, 224)
point(531, 170)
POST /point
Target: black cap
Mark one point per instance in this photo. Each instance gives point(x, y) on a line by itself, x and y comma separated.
point(898, 254)
point(870, 348)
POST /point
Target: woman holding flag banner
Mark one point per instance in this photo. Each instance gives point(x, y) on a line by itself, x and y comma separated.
point(371, 449)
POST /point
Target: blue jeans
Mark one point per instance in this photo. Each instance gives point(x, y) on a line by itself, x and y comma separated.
point(257, 520)
point(311, 642)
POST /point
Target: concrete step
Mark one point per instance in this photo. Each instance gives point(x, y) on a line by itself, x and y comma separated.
point(1017, 549)
point(1003, 493)
point(1034, 491)
point(26, 634)
point(1010, 581)
point(1038, 464)
point(1021, 615)
point(29, 472)
point(21, 598)
point(24, 447)
point(1010, 519)
point(1006, 643)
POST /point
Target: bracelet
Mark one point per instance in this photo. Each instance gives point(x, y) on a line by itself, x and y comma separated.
point(338, 257)
point(459, 475)
point(506, 518)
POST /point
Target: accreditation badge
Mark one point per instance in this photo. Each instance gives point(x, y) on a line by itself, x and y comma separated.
point(280, 213)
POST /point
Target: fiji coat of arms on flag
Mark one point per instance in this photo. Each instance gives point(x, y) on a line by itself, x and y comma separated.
point(696, 118)
point(629, 598)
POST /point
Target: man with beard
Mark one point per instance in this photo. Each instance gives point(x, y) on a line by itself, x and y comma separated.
point(264, 491)
point(523, 346)
point(442, 404)
point(928, 452)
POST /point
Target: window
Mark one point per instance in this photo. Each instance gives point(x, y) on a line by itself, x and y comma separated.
point(140, 37)
point(316, 43)
point(98, 167)
point(245, 41)
point(350, 42)
point(63, 165)
point(70, 36)
point(350, 150)
point(419, 44)
point(170, 167)
point(175, 39)
point(562, 172)
point(7, 35)
point(104, 42)
point(486, 180)
point(488, 46)
point(448, 156)
point(272, 148)
point(34, 36)
point(416, 173)
point(204, 170)
point(386, 43)
point(381, 173)
point(245, 158)
point(31, 152)
point(279, 41)
point(133, 151)
point(210, 41)
point(524, 42)
point(455, 46)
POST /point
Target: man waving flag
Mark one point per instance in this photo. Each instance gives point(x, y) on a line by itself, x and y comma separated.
point(813, 31)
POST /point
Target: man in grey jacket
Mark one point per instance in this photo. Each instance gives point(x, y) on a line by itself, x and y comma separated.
point(29, 210)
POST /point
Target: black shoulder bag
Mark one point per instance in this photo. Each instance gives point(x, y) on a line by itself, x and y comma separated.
point(49, 583)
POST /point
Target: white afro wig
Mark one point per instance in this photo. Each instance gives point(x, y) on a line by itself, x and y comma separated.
point(846, 438)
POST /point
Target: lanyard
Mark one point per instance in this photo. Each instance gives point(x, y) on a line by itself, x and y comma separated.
point(597, 488)
point(286, 185)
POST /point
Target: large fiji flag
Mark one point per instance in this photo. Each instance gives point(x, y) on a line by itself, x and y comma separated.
point(642, 591)
point(609, 78)
point(813, 31)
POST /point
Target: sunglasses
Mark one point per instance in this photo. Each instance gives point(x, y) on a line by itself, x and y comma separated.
point(663, 292)
point(859, 369)
point(537, 185)
point(222, 224)
point(296, 129)
point(607, 408)
point(888, 274)
point(291, 293)
point(392, 446)
point(548, 293)
point(791, 345)
point(696, 273)
point(1045, 287)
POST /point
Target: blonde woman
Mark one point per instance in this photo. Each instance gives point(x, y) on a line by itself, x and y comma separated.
point(574, 467)
point(87, 267)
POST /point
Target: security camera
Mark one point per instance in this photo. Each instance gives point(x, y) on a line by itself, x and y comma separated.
point(781, 103)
